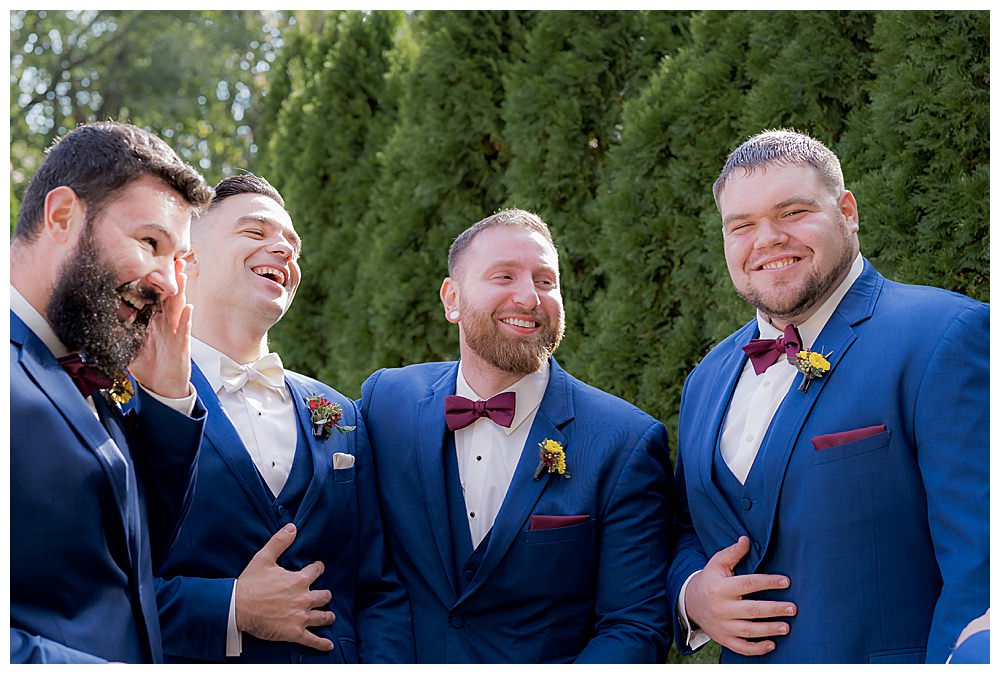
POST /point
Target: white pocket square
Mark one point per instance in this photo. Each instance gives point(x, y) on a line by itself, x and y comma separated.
point(341, 460)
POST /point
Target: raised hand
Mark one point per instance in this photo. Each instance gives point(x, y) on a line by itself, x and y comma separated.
point(275, 604)
point(714, 601)
point(163, 366)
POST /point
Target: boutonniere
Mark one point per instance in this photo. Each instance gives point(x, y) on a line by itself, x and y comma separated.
point(325, 416)
point(552, 459)
point(121, 390)
point(811, 364)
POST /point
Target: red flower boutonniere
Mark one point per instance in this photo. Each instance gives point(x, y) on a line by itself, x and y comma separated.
point(325, 416)
point(811, 364)
point(553, 459)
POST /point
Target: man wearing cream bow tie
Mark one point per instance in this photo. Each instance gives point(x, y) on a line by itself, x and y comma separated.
point(528, 515)
point(281, 558)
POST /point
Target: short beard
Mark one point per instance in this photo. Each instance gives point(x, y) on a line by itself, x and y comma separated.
point(814, 288)
point(83, 310)
point(515, 356)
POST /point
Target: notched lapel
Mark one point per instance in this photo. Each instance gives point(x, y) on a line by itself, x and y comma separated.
point(321, 449)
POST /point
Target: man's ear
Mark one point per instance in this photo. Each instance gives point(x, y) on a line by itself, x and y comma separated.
point(191, 264)
point(449, 299)
point(64, 214)
point(848, 207)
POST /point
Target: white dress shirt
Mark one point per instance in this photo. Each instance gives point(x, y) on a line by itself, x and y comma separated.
point(756, 400)
point(488, 453)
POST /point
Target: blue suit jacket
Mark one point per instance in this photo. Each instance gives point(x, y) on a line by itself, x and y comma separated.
point(338, 523)
point(592, 592)
point(885, 538)
point(81, 584)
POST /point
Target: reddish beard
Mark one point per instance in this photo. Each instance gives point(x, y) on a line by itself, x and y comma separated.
point(515, 354)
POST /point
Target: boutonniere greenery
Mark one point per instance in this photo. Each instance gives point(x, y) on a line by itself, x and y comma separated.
point(812, 365)
point(325, 416)
point(552, 459)
point(120, 391)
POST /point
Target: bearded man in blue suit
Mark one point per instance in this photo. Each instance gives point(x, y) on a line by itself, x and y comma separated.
point(833, 453)
point(97, 289)
point(281, 558)
point(527, 513)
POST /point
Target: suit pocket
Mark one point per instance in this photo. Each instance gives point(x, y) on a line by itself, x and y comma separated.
point(559, 534)
point(348, 651)
point(343, 474)
point(899, 656)
point(846, 450)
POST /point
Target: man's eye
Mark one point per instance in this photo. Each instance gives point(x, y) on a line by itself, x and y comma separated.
point(151, 242)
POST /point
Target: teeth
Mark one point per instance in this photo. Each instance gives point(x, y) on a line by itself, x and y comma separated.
point(521, 323)
point(779, 263)
point(133, 301)
point(270, 272)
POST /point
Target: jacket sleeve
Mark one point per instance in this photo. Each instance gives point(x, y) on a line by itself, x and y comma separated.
point(952, 426)
point(194, 616)
point(29, 648)
point(633, 624)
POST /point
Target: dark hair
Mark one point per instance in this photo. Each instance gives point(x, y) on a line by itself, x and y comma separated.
point(782, 147)
point(247, 183)
point(97, 161)
point(511, 217)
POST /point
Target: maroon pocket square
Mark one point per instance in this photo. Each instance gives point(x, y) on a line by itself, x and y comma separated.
point(833, 439)
point(540, 522)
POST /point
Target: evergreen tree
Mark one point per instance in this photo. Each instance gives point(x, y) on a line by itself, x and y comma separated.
point(564, 95)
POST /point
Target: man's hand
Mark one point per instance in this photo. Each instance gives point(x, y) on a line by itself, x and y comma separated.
point(277, 605)
point(163, 366)
point(714, 600)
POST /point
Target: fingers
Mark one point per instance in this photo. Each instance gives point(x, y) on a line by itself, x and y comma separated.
point(729, 557)
point(277, 545)
point(309, 639)
point(744, 647)
point(755, 582)
point(312, 571)
point(320, 618)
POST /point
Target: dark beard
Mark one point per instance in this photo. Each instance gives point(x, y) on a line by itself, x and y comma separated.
point(83, 310)
point(516, 356)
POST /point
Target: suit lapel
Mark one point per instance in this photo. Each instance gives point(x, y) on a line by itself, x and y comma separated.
point(39, 363)
point(836, 339)
point(225, 440)
point(321, 449)
point(430, 466)
point(555, 411)
point(715, 419)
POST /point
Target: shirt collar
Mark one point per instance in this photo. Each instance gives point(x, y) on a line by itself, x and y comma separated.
point(810, 328)
point(209, 360)
point(37, 323)
point(529, 390)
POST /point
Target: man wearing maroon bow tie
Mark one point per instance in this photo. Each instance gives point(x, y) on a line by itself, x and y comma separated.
point(97, 288)
point(526, 512)
point(281, 558)
point(833, 452)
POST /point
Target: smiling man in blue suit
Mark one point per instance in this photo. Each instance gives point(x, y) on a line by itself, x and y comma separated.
point(97, 288)
point(527, 513)
point(833, 452)
point(281, 558)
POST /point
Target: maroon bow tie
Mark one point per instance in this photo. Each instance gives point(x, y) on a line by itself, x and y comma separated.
point(765, 352)
point(86, 377)
point(459, 412)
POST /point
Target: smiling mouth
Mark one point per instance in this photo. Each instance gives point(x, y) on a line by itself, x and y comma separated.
point(271, 273)
point(778, 264)
point(139, 303)
point(520, 322)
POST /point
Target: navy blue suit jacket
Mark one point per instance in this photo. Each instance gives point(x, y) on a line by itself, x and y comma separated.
point(885, 538)
point(338, 523)
point(81, 555)
point(592, 592)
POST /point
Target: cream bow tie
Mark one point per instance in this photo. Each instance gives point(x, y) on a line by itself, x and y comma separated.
point(266, 371)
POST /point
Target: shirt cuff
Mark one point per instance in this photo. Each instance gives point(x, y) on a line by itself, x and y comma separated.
point(234, 640)
point(694, 638)
point(183, 405)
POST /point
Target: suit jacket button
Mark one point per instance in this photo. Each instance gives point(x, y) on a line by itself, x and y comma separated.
point(747, 504)
point(456, 621)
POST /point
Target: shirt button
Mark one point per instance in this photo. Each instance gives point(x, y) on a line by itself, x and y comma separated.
point(748, 438)
point(767, 383)
point(479, 458)
point(473, 515)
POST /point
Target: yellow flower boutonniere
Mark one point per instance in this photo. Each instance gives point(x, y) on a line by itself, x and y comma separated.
point(121, 390)
point(552, 459)
point(811, 364)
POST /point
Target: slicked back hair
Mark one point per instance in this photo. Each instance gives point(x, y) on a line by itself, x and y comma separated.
point(247, 183)
point(782, 147)
point(97, 161)
point(511, 217)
